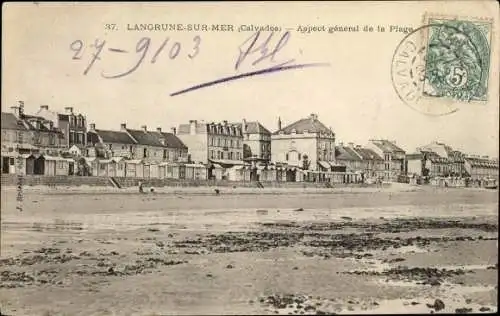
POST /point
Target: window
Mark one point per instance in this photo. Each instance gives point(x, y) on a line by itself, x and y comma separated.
point(120, 166)
point(102, 166)
point(52, 139)
point(11, 161)
point(300, 156)
point(164, 154)
point(286, 157)
point(218, 142)
point(231, 143)
point(60, 164)
point(145, 152)
point(238, 155)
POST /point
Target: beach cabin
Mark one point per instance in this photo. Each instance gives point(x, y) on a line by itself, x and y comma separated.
point(266, 173)
point(93, 166)
point(182, 171)
point(134, 168)
point(235, 173)
point(215, 171)
point(154, 171)
point(56, 166)
point(171, 170)
point(120, 164)
point(151, 170)
point(28, 163)
point(162, 170)
point(107, 168)
point(196, 171)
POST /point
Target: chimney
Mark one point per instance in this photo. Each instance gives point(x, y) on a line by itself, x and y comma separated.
point(279, 123)
point(44, 107)
point(68, 110)
point(192, 127)
point(174, 130)
point(21, 108)
point(123, 126)
point(244, 126)
point(144, 128)
point(92, 126)
point(313, 116)
point(158, 129)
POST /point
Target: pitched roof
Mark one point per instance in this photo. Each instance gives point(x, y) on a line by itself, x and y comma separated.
point(368, 154)
point(386, 146)
point(114, 137)
point(145, 138)
point(310, 124)
point(353, 153)
point(10, 121)
point(344, 153)
point(255, 128)
point(171, 140)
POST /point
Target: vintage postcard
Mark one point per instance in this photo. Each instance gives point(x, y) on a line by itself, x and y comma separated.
point(213, 158)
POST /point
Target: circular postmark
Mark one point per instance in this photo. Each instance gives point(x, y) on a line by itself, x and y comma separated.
point(439, 66)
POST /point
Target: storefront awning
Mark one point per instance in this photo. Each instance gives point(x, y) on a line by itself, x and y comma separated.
point(325, 165)
point(135, 162)
point(227, 162)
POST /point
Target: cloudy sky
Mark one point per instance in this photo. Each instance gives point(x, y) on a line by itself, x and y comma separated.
point(354, 94)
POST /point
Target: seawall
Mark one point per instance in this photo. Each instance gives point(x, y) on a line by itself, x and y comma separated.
point(36, 180)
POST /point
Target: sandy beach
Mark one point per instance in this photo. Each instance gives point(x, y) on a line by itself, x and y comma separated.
point(188, 251)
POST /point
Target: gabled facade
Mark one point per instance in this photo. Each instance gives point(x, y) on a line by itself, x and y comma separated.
point(73, 125)
point(360, 160)
point(394, 158)
point(31, 134)
point(306, 143)
point(256, 141)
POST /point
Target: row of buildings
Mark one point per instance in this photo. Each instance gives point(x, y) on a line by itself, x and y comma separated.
point(306, 149)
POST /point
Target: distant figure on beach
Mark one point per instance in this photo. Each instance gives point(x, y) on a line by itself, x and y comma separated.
point(140, 187)
point(217, 191)
point(152, 190)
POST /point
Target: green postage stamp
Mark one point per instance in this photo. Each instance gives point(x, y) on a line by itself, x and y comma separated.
point(444, 64)
point(458, 58)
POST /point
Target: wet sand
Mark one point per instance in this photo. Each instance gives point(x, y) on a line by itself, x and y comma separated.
point(192, 252)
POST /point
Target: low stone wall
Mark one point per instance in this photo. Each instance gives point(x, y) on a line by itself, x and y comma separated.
point(32, 180)
point(35, 180)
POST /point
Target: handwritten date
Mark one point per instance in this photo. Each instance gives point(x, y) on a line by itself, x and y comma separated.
point(142, 48)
